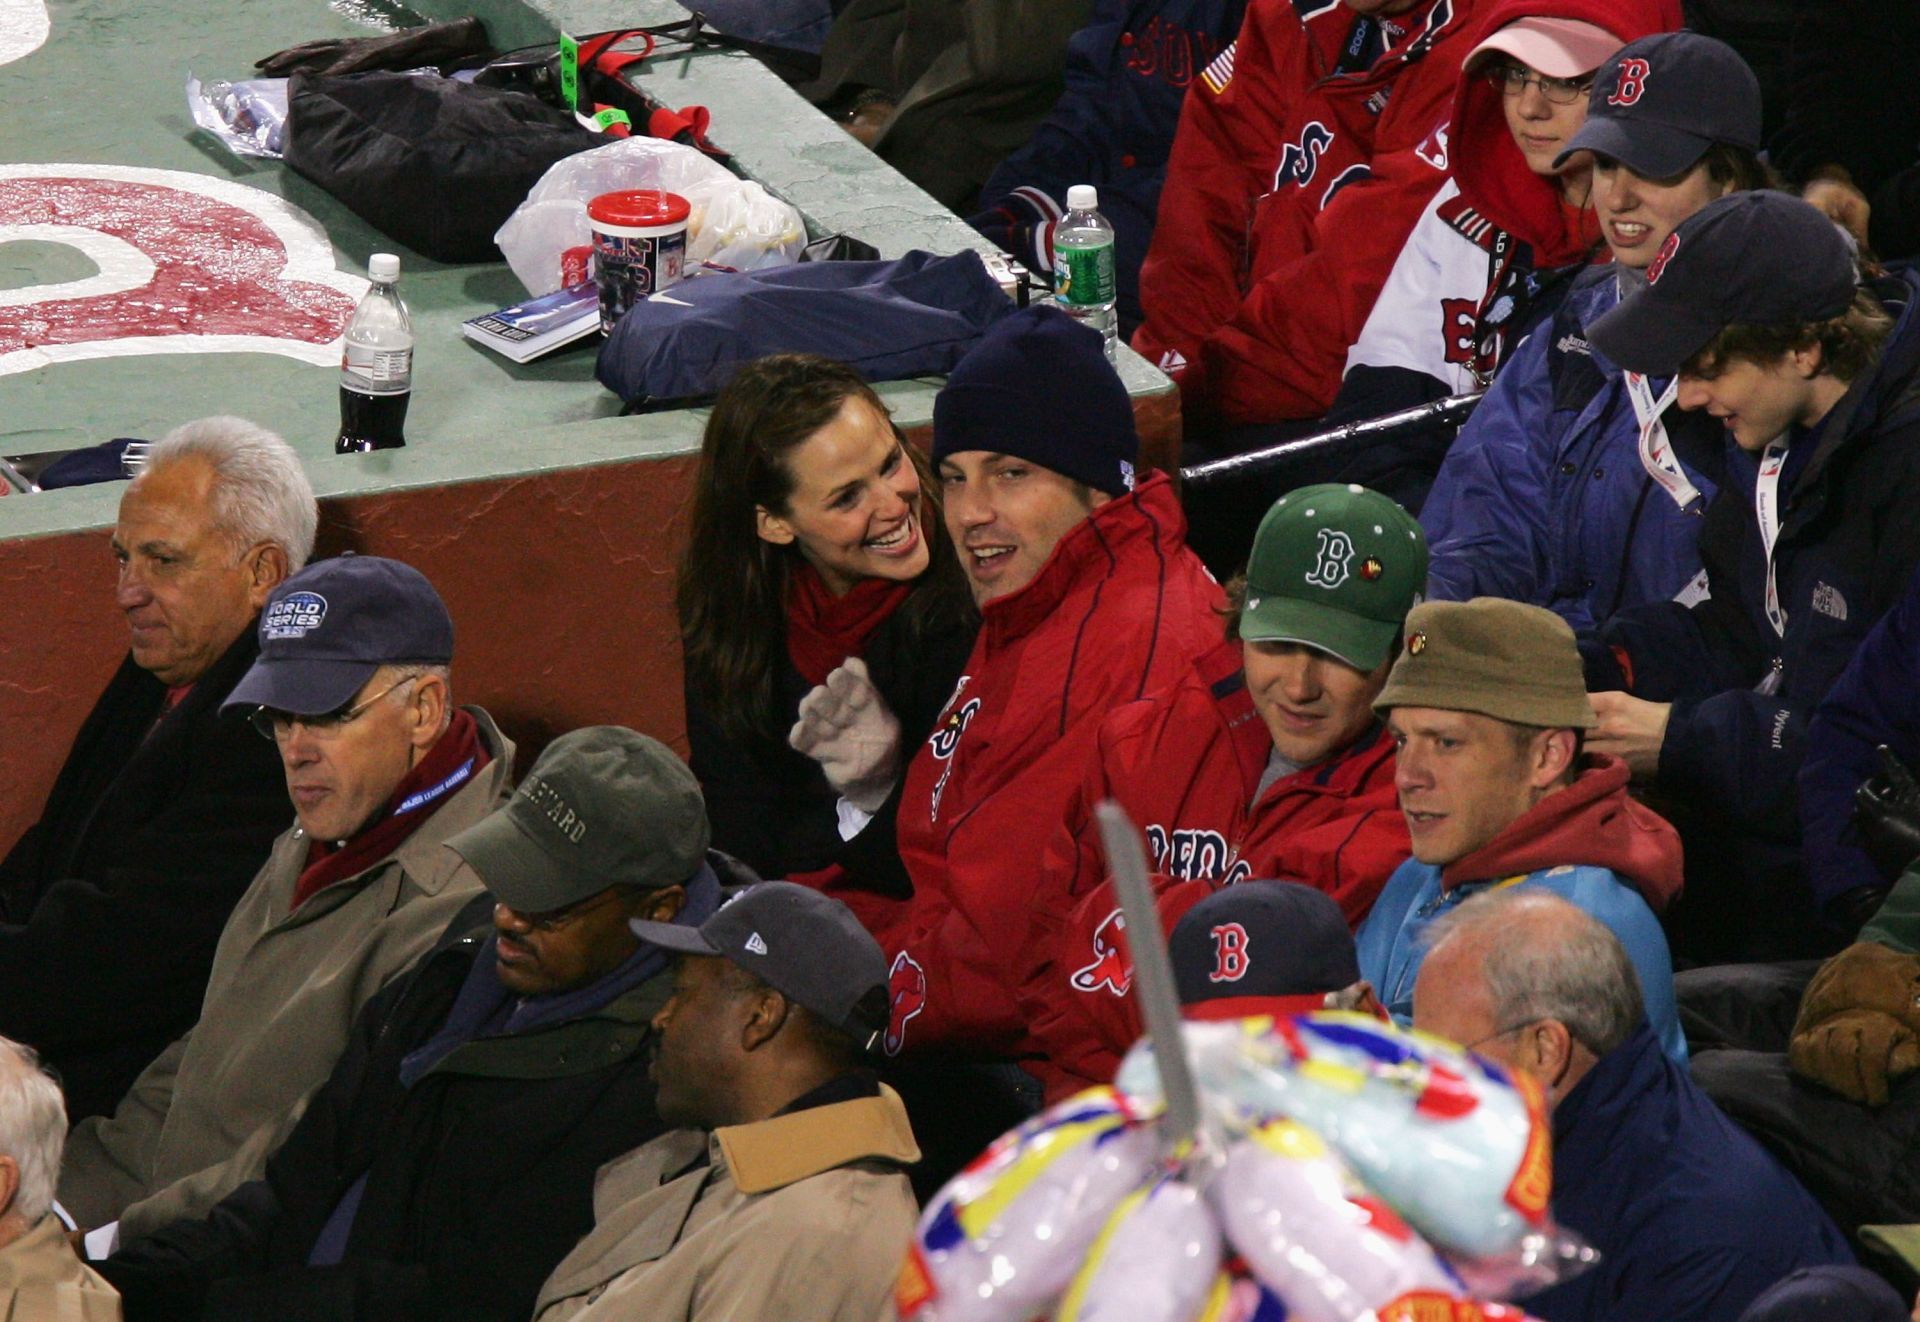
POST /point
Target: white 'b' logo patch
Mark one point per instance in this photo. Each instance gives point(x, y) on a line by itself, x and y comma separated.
point(1336, 553)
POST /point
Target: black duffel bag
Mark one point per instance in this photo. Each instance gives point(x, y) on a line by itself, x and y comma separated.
point(437, 164)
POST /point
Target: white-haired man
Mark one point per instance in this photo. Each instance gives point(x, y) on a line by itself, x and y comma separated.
point(39, 1275)
point(1692, 1219)
point(111, 903)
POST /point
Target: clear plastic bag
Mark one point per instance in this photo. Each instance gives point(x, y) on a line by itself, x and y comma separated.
point(1156, 1260)
point(249, 117)
point(1451, 1142)
point(734, 223)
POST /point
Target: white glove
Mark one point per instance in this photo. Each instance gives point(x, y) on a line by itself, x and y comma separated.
point(846, 727)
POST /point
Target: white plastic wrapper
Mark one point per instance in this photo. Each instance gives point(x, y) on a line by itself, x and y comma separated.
point(249, 117)
point(1332, 1251)
point(734, 223)
point(1449, 1141)
point(1009, 1232)
point(1156, 1260)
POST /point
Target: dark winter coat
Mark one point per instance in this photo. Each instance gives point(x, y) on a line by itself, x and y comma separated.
point(478, 1178)
point(111, 904)
point(1691, 1217)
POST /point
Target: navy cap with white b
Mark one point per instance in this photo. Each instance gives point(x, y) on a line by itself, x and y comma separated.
point(329, 627)
point(1761, 258)
point(1261, 947)
point(1662, 101)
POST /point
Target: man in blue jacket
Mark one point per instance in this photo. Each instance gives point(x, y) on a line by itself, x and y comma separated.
point(1487, 708)
point(1692, 1219)
point(1753, 304)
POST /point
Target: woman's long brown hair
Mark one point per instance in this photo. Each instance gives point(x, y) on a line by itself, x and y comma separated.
point(732, 587)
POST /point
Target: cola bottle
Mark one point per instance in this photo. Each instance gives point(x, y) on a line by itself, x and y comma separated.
point(376, 365)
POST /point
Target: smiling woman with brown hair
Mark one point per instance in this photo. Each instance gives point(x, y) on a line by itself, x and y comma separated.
point(816, 550)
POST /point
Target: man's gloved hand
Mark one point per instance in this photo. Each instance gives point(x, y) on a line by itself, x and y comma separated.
point(1021, 224)
point(1887, 811)
point(846, 727)
point(410, 48)
point(1859, 1022)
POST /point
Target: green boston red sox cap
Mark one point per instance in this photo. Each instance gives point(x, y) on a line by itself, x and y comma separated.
point(1337, 567)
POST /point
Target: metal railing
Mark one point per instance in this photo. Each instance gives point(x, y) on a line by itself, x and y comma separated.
point(1452, 409)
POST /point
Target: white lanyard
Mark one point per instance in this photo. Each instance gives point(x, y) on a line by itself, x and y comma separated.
point(1766, 507)
point(1656, 451)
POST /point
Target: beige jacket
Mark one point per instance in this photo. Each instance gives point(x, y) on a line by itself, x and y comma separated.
point(801, 1218)
point(286, 987)
point(42, 1281)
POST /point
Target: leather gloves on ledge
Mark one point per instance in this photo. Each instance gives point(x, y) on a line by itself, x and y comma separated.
point(1859, 1025)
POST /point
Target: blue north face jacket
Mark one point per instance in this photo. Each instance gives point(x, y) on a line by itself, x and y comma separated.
point(1543, 498)
point(1848, 544)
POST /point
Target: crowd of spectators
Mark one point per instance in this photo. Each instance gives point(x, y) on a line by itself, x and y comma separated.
point(1585, 738)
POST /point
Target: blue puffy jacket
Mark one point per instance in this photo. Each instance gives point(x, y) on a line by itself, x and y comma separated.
point(1543, 498)
point(1848, 544)
point(1127, 73)
point(1691, 1217)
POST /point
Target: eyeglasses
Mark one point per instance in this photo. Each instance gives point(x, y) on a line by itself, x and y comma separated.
point(552, 920)
point(278, 725)
point(1512, 80)
point(1503, 1032)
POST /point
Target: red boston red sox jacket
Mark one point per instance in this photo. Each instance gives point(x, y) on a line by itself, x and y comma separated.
point(1185, 765)
point(1306, 151)
point(1120, 609)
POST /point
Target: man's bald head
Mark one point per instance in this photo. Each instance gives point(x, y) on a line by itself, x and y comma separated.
point(1506, 966)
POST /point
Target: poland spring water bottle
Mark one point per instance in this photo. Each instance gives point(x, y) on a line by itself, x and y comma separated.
point(376, 366)
point(1083, 263)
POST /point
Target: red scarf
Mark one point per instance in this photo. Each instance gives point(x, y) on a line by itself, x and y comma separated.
point(449, 764)
point(823, 630)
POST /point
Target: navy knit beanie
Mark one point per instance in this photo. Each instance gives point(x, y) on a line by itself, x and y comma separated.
point(1038, 385)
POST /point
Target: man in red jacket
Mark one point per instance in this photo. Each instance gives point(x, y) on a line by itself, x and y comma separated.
point(1306, 152)
point(1265, 760)
point(1089, 599)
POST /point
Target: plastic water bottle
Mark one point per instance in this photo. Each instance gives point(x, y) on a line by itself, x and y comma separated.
point(1083, 281)
point(376, 367)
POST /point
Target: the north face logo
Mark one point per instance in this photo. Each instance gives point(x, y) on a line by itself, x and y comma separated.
point(907, 997)
point(1110, 970)
point(293, 616)
point(1827, 601)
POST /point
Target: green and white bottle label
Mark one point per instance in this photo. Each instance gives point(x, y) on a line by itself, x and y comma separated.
point(1083, 276)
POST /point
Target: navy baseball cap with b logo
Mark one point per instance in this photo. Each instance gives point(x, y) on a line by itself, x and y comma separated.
point(330, 626)
point(1761, 258)
point(807, 946)
point(1661, 101)
point(1261, 948)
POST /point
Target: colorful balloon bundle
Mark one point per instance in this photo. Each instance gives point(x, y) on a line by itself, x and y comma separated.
point(1344, 1171)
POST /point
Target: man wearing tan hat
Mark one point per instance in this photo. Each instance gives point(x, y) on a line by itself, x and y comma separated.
point(1488, 707)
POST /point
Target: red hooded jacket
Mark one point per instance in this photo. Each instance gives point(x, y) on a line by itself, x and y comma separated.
point(1120, 609)
point(1185, 765)
point(1291, 187)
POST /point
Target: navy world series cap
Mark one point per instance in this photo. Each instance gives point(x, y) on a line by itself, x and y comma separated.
point(1261, 947)
point(1661, 101)
point(1762, 258)
point(330, 626)
point(807, 946)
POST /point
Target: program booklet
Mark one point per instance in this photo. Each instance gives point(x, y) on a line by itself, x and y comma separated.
point(540, 325)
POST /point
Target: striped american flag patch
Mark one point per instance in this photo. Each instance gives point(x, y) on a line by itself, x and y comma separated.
point(1218, 74)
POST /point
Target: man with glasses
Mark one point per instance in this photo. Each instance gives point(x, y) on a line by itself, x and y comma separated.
point(112, 901)
point(448, 1163)
point(1488, 708)
point(1692, 1219)
point(352, 687)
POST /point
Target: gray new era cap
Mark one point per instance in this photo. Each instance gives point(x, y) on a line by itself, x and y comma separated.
point(603, 807)
point(807, 946)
